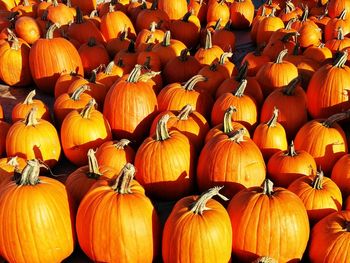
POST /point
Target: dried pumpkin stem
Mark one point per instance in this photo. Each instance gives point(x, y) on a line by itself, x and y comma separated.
point(241, 88)
point(217, 24)
point(154, 5)
point(273, 121)
point(187, 16)
point(79, 17)
point(208, 40)
point(55, 3)
point(13, 162)
point(122, 184)
point(162, 132)
point(77, 93)
point(30, 173)
point(289, 7)
point(227, 123)
point(52, 28)
point(148, 75)
point(185, 112)
point(94, 170)
point(265, 260)
point(30, 119)
point(291, 150)
point(109, 68)
point(93, 13)
point(134, 74)
point(237, 136)
point(287, 36)
point(289, 90)
point(341, 60)
point(85, 113)
point(343, 14)
point(199, 206)
point(131, 47)
point(290, 23)
point(340, 35)
point(189, 85)
point(29, 99)
point(92, 42)
point(166, 39)
point(267, 187)
point(225, 56)
point(15, 42)
point(153, 26)
point(120, 145)
point(347, 226)
point(305, 14)
point(335, 118)
point(281, 55)
point(318, 181)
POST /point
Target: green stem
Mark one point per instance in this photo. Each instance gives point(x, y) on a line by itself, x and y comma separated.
point(162, 132)
point(122, 184)
point(199, 206)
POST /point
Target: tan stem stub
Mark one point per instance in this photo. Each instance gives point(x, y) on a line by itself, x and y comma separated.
point(289, 90)
point(281, 55)
point(335, 118)
point(30, 173)
point(30, 119)
point(227, 123)
point(273, 121)
point(217, 25)
point(265, 260)
point(267, 187)
point(123, 182)
point(162, 132)
point(318, 181)
point(189, 85)
point(237, 136)
point(13, 162)
point(200, 205)
point(77, 93)
point(184, 55)
point(224, 57)
point(208, 40)
point(86, 112)
point(242, 72)
point(241, 88)
point(166, 40)
point(341, 59)
point(109, 68)
point(291, 150)
point(145, 77)
point(120, 145)
point(52, 28)
point(94, 170)
point(135, 74)
point(79, 17)
point(29, 99)
point(185, 112)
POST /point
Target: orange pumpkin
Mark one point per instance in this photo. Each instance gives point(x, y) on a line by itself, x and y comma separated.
point(64, 81)
point(242, 13)
point(336, 7)
point(59, 13)
point(218, 9)
point(175, 9)
point(341, 175)
point(27, 29)
point(9, 166)
point(209, 53)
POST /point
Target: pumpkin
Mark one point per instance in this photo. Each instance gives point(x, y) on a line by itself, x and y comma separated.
point(42, 196)
point(166, 161)
point(175, 9)
point(329, 240)
point(339, 43)
point(80, 181)
point(334, 24)
point(4, 128)
point(268, 211)
point(175, 96)
point(86, 6)
point(341, 174)
point(114, 45)
point(255, 24)
point(324, 139)
point(323, 97)
point(336, 7)
point(81, 131)
point(218, 9)
point(115, 154)
point(191, 123)
point(242, 13)
point(270, 136)
point(64, 81)
point(59, 13)
point(218, 163)
point(49, 57)
point(320, 195)
point(255, 60)
point(34, 138)
point(320, 54)
point(284, 167)
point(137, 228)
point(150, 15)
point(149, 36)
point(225, 38)
point(199, 8)
point(128, 56)
point(276, 44)
point(21, 109)
point(289, 12)
point(267, 26)
point(202, 221)
point(8, 168)
point(130, 106)
point(111, 74)
point(227, 126)
point(14, 68)
point(265, 260)
point(27, 29)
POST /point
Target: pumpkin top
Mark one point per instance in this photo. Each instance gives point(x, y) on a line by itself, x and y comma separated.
point(343, 14)
point(94, 170)
point(291, 150)
point(281, 55)
point(265, 260)
point(30, 119)
point(318, 181)
point(134, 74)
point(199, 206)
point(109, 68)
point(273, 121)
point(121, 144)
point(242, 72)
point(162, 132)
point(166, 40)
point(227, 124)
point(189, 85)
point(241, 88)
point(289, 90)
point(341, 59)
point(208, 40)
point(30, 173)
point(267, 187)
point(122, 184)
point(29, 99)
point(336, 117)
point(85, 113)
point(52, 28)
point(225, 56)
point(185, 112)
point(238, 135)
point(77, 93)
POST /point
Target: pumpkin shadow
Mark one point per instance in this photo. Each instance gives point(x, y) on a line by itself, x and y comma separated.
point(328, 160)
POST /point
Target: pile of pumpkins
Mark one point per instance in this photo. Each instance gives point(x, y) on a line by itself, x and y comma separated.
point(150, 107)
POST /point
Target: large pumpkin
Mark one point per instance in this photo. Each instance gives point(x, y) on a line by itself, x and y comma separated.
point(341, 174)
point(50, 57)
point(35, 212)
point(116, 222)
point(202, 221)
point(264, 220)
point(175, 9)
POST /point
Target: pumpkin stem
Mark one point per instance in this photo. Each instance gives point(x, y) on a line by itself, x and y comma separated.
point(289, 90)
point(111, 8)
point(199, 206)
point(273, 12)
point(152, 26)
point(85, 113)
point(318, 181)
point(93, 13)
point(30, 173)
point(335, 118)
point(267, 187)
point(225, 56)
point(242, 72)
point(134, 74)
point(341, 60)
point(93, 73)
point(131, 47)
point(289, 7)
point(259, 49)
point(185, 112)
point(30, 119)
point(290, 23)
point(340, 35)
point(13, 162)
point(343, 14)
point(122, 144)
point(273, 121)
point(92, 42)
point(79, 17)
point(109, 68)
point(77, 93)
point(166, 39)
point(184, 55)
point(148, 75)
point(55, 3)
point(162, 133)
point(291, 150)
point(94, 170)
point(52, 28)
point(15, 42)
point(122, 184)
point(227, 123)
point(208, 41)
point(189, 85)
point(217, 24)
point(29, 99)
point(241, 88)
point(347, 226)
point(305, 14)
point(265, 260)
point(281, 55)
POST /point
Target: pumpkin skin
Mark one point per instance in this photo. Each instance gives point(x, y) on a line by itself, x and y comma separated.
point(9, 166)
point(335, 7)
point(34, 138)
point(320, 195)
point(59, 13)
point(324, 140)
point(86, 6)
point(217, 163)
point(81, 131)
point(42, 196)
point(329, 241)
point(255, 61)
point(137, 228)
point(209, 53)
point(242, 13)
point(154, 157)
point(277, 213)
point(4, 128)
point(175, 9)
point(284, 167)
point(218, 10)
point(266, 27)
point(202, 221)
point(341, 174)
point(64, 81)
point(50, 57)
point(27, 29)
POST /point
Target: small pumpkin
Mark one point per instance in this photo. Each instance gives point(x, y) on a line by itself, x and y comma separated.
point(27, 29)
point(242, 13)
point(209, 53)
point(9, 166)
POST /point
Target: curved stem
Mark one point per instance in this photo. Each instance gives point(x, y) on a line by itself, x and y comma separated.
point(238, 135)
point(79, 17)
point(208, 41)
point(289, 90)
point(273, 121)
point(122, 144)
point(341, 60)
point(77, 93)
point(94, 170)
point(29, 99)
point(148, 75)
point(52, 28)
point(131, 47)
point(153, 26)
point(265, 260)
point(291, 150)
point(30, 119)
point(189, 85)
point(30, 173)
point(134, 74)
point(109, 68)
point(85, 113)
point(305, 14)
point(225, 56)
point(185, 112)
point(187, 16)
point(218, 24)
point(55, 3)
point(290, 23)
point(335, 118)
point(91, 42)
point(287, 36)
point(166, 39)
point(154, 5)
point(227, 123)
point(122, 184)
point(267, 187)
point(93, 13)
point(199, 206)
point(342, 15)
point(281, 55)
point(241, 88)
point(318, 181)
point(340, 35)
point(162, 132)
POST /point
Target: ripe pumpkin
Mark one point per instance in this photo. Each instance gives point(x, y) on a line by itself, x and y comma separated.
point(59, 13)
point(335, 7)
point(268, 211)
point(209, 53)
point(150, 15)
point(341, 174)
point(334, 24)
point(194, 220)
point(218, 9)
point(27, 29)
point(84, 130)
point(320, 195)
point(34, 138)
point(86, 6)
point(50, 57)
point(149, 36)
point(21, 109)
point(175, 9)
point(42, 196)
point(111, 74)
point(137, 228)
point(9, 166)
point(166, 161)
point(242, 13)
point(218, 165)
point(267, 26)
point(64, 81)
point(338, 43)
point(255, 60)
point(4, 128)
